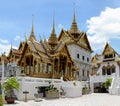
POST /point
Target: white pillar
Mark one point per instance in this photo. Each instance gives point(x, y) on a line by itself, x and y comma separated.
point(2, 79)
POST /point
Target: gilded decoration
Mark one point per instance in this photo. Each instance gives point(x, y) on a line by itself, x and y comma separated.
point(50, 59)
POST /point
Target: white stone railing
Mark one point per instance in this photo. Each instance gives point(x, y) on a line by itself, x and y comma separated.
point(12, 64)
point(99, 78)
point(43, 80)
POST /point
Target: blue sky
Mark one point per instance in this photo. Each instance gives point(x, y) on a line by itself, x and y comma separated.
point(99, 18)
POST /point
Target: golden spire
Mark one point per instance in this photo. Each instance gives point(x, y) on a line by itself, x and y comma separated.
point(74, 17)
point(40, 38)
point(25, 36)
point(44, 37)
point(53, 38)
point(11, 51)
point(53, 27)
point(11, 45)
point(74, 28)
point(32, 35)
point(32, 31)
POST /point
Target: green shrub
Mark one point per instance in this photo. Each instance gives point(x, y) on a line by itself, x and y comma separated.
point(10, 84)
point(107, 83)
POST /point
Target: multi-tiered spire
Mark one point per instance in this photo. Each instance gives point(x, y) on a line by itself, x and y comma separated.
point(32, 35)
point(53, 38)
point(74, 28)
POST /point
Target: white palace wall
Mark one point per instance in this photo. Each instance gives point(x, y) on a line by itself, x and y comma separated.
point(81, 64)
point(29, 84)
point(72, 88)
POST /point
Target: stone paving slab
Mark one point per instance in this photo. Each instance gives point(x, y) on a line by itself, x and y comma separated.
point(94, 99)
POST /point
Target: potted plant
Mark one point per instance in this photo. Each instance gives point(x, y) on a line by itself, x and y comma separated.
point(9, 85)
point(85, 90)
point(52, 92)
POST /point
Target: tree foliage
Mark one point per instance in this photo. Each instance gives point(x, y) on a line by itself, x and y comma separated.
point(10, 84)
point(107, 83)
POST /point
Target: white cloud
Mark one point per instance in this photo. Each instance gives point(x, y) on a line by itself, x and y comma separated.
point(104, 27)
point(60, 26)
point(6, 48)
point(17, 38)
point(4, 41)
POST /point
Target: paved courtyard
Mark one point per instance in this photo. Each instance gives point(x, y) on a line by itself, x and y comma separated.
point(94, 99)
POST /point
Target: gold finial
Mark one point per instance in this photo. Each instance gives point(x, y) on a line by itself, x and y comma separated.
point(74, 18)
point(25, 36)
point(11, 48)
point(32, 35)
point(74, 28)
point(53, 38)
point(44, 37)
point(32, 31)
point(11, 43)
point(40, 38)
point(53, 27)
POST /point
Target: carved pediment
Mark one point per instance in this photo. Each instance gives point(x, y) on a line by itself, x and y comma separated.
point(65, 38)
point(108, 50)
point(65, 51)
point(83, 41)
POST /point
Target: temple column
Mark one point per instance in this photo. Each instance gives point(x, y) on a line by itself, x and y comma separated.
point(24, 65)
point(66, 65)
point(33, 67)
point(43, 68)
point(70, 70)
point(30, 71)
point(58, 66)
point(38, 67)
point(53, 69)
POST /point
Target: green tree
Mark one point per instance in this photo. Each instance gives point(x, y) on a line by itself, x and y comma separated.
point(107, 83)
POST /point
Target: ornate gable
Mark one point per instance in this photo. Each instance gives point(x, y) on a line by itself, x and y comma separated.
point(64, 37)
point(108, 50)
point(21, 46)
point(64, 50)
point(94, 58)
point(26, 49)
point(83, 41)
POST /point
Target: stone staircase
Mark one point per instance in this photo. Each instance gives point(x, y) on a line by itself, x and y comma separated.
point(115, 86)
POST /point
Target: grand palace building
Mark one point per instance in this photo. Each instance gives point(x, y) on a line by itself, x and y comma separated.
point(67, 56)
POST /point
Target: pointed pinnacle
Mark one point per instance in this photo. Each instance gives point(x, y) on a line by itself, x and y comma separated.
point(32, 30)
point(53, 27)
